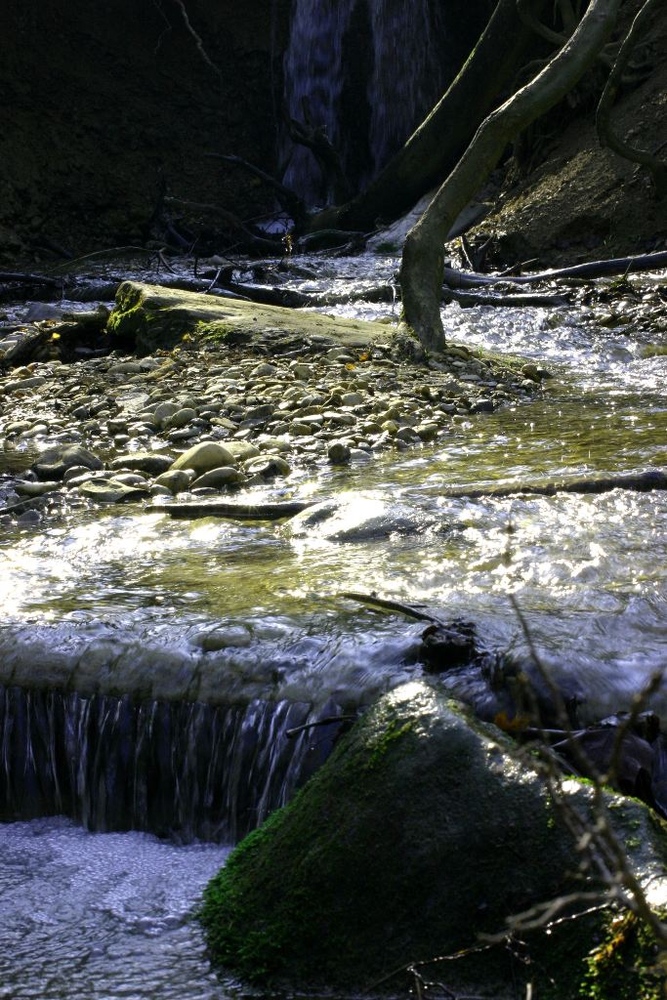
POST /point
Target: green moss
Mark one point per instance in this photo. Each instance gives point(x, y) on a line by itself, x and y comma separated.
point(422, 831)
point(392, 734)
point(628, 965)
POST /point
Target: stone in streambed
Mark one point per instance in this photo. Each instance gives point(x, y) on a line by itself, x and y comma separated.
point(425, 829)
point(226, 475)
point(54, 462)
point(152, 462)
point(203, 457)
point(242, 450)
point(25, 488)
point(112, 491)
point(268, 466)
point(175, 480)
point(338, 453)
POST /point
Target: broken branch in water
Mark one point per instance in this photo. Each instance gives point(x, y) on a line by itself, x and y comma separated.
point(639, 482)
point(453, 278)
point(239, 511)
point(413, 611)
point(327, 721)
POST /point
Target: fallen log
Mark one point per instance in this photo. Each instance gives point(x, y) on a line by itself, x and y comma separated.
point(454, 278)
point(25, 349)
point(149, 317)
point(468, 299)
point(26, 277)
point(639, 482)
point(235, 511)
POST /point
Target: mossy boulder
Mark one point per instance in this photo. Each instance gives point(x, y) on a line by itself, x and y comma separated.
point(151, 317)
point(423, 830)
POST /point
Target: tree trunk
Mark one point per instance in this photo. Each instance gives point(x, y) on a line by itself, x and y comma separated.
point(433, 150)
point(423, 255)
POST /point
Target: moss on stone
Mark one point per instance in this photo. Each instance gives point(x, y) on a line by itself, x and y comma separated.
point(627, 965)
point(423, 830)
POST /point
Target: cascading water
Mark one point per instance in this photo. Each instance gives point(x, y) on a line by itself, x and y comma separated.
point(183, 770)
point(365, 72)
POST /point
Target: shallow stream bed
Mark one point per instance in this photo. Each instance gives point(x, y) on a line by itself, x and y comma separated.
point(587, 571)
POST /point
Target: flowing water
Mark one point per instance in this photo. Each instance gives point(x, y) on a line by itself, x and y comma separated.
point(365, 73)
point(132, 595)
point(103, 916)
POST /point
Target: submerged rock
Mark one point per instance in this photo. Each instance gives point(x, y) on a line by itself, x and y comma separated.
point(355, 518)
point(424, 829)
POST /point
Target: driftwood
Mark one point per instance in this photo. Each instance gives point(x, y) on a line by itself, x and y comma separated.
point(25, 349)
point(66, 335)
point(446, 645)
point(24, 277)
point(453, 278)
point(639, 482)
point(414, 611)
point(468, 299)
point(235, 511)
point(327, 721)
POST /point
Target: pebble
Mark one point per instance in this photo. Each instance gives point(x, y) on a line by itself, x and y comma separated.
point(116, 429)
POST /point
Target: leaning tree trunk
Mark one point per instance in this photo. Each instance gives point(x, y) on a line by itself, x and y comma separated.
point(433, 150)
point(423, 253)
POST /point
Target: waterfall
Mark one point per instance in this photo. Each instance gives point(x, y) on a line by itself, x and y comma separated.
point(183, 770)
point(366, 72)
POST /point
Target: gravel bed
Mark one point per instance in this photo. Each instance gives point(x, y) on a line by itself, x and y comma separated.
point(211, 421)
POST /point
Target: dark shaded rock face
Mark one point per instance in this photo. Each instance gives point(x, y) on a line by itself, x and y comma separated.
point(106, 106)
point(422, 831)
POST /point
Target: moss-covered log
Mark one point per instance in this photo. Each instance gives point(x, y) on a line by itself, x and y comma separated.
point(148, 317)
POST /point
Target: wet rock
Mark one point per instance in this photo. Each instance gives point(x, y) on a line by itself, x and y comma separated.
point(268, 466)
point(164, 411)
point(29, 518)
point(175, 480)
point(441, 830)
point(357, 518)
point(242, 450)
point(150, 462)
point(338, 453)
point(231, 636)
point(54, 462)
point(181, 417)
point(204, 456)
point(112, 491)
point(217, 479)
point(25, 488)
point(482, 406)
point(24, 384)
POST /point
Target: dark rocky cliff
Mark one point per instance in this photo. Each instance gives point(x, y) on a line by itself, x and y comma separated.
point(104, 105)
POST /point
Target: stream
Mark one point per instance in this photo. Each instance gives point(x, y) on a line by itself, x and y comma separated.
point(102, 916)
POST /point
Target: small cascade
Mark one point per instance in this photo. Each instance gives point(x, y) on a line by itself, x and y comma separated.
point(366, 72)
point(182, 770)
